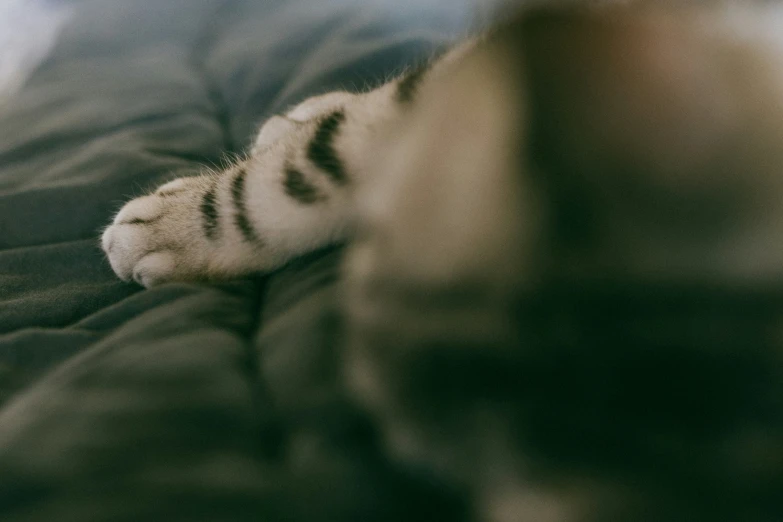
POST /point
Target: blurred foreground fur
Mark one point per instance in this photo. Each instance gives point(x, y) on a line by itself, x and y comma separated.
point(570, 306)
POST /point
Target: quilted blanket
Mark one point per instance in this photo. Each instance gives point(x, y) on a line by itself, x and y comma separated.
point(184, 402)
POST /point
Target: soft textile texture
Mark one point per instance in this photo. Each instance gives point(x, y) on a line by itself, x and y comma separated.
point(186, 402)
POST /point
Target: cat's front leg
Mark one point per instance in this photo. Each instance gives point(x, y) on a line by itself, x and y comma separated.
point(290, 196)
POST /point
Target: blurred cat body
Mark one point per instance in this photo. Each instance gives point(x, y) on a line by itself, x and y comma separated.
point(560, 233)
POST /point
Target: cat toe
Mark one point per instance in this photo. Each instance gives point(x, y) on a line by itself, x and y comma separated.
point(155, 268)
point(124, 245)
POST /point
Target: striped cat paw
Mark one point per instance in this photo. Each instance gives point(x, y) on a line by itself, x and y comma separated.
point(291, 195)
point(156, 238)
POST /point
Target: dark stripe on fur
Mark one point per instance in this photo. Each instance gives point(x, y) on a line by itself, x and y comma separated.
point(298, 187)
point(240, 210)
point(409, 84)
point(321, 149)
point(140, 221)
point(209, 211)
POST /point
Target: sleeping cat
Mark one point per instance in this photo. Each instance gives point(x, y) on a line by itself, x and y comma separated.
point(561, 283)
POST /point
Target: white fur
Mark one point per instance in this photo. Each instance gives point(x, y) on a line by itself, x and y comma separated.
point(174, 246)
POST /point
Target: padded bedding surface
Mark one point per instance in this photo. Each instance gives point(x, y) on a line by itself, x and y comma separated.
point(184, 402)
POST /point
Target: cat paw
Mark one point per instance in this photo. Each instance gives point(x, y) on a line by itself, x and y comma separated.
point(159, 238)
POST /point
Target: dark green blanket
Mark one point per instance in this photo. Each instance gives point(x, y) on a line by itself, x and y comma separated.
point(185, 402)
